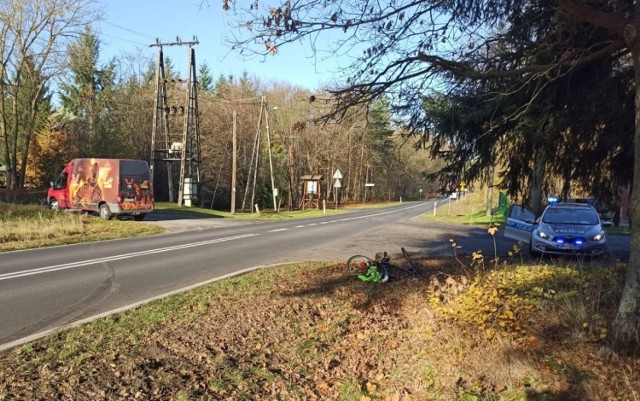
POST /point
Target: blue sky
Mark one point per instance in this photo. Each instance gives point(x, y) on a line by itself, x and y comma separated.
point(129, 26)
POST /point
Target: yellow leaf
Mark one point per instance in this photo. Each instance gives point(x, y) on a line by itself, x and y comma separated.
point(371, 387)
point(585, 325)
point(323, 387)
point(365, 398)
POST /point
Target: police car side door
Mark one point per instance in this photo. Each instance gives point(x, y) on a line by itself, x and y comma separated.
point(520, 223)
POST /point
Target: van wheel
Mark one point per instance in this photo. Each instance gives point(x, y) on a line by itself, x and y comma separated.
point(54, 205)
point(105, 212)
point(139, 217)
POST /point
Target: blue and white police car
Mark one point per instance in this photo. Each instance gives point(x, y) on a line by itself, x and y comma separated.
point(563, 228)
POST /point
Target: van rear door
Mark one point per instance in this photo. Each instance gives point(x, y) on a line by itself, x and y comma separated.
point(135, 187)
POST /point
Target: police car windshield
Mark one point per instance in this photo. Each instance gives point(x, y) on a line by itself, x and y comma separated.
point(570, 215)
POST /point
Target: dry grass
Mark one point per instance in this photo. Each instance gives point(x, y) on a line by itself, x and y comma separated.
point(25, 227)
point(312, 332)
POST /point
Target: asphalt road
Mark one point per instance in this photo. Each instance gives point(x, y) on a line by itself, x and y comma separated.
point(44, 289)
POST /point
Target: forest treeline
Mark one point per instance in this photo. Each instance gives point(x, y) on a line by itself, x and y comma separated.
point(105, 110)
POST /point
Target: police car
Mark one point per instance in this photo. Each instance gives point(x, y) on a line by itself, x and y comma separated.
point(563, 228)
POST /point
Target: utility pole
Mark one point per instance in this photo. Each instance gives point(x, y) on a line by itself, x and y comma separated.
point(273, 186)
point(366, 184)
point(292, 172)
point(234, 165)
point(256, 155)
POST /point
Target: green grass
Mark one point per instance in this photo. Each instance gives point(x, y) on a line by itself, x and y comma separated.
point(173, 209)
point(618, 230)
point(470, 210)
point(170, 208)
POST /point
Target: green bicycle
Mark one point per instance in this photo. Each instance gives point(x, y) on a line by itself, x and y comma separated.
point(377, 270)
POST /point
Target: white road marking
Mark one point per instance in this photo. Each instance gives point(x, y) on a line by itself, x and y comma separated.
point(300, 226)
point(276, 230)
point(81, 263)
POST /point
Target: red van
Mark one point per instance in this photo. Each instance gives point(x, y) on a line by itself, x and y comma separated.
point(110, 187)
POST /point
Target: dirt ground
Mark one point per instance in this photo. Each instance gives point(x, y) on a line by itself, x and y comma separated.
point(312, 332)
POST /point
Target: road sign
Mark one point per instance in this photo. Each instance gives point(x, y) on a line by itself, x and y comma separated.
point(337, 175)
point(370, 185)
point(337, 184)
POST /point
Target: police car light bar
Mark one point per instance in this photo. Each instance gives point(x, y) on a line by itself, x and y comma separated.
point(555, 199)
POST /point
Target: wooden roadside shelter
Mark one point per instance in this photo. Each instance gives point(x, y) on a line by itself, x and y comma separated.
point(311, 191)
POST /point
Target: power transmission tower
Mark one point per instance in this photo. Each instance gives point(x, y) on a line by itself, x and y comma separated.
point(168, 145)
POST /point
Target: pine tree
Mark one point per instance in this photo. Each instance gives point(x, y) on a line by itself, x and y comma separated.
point(89, 97)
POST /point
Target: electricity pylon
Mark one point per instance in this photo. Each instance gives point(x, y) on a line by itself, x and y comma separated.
point(168, 145)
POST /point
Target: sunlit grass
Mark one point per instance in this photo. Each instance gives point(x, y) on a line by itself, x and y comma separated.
point(267, 214)
point(29, 226)
point(469, 209)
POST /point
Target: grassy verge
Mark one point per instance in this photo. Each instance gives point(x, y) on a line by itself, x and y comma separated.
point(173, 209)
point(310, 331)
point(28, 226)
point(470, 209)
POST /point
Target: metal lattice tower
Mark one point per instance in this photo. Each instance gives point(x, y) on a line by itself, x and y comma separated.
point(168, 145)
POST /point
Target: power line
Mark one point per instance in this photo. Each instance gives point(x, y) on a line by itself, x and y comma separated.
point(129, 30)
point(123, 39)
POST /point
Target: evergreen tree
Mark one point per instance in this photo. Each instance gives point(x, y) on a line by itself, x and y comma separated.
point(205, 79)
point(89, 97)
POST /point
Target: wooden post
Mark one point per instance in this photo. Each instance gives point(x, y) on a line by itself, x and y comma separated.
point(234, 165)
point(273, 185)
point(292, 172)
point(254, 156)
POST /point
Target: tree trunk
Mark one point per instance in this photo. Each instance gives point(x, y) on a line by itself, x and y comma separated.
point(490, 191)
point(30, 131)
point(536, 181)
point(626, 324)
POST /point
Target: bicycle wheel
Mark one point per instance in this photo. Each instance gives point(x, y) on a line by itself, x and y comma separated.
point(358, 264)
point(384, 274)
